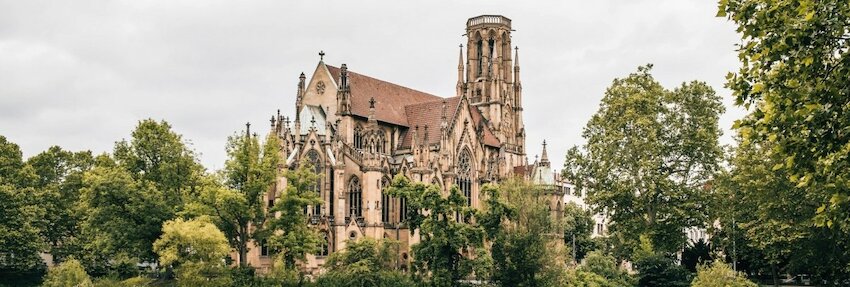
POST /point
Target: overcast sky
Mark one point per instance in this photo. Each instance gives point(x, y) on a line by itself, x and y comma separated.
point(81, 74)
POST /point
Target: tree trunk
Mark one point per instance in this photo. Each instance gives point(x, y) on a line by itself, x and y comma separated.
point(775, 274)
point(243, 248)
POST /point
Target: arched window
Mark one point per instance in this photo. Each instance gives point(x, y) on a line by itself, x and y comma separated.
point(479, 53)
point(358, 137)
point(316, 162)
point(386, 201)
point(325, 245)
point(355, 197)
point(464, 175)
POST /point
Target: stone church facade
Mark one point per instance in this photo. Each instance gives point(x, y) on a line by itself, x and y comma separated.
point(358, 132)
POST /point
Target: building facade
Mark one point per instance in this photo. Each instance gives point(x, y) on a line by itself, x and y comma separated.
point(358, 132)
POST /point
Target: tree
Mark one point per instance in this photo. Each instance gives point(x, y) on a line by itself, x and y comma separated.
point(578, 227)
point(236, 205)
point(719, 274)
point(365, 262)
point(123, 217)
point(197, 249)
point(57, 191)
point(444, 238)
point(658, 268)
point(68, 274)
point(288, 232)
point(696, 253)
point(19, 229)
point(606, 267)
point(158, 155)
point(525, 248)
point(649, 153)
point(793, 80)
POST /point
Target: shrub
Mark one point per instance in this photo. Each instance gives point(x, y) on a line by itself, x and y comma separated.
point(720, 275)
point(660, 270)
point(203, 274)
point(606, 267)
point(69, 273)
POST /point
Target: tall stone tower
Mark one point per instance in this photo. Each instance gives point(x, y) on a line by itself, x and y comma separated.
point(492, 81)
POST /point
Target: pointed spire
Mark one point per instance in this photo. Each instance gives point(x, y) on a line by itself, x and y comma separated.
point(516, 57)
point(544, 158)
point(371, 120)
point(248, 129)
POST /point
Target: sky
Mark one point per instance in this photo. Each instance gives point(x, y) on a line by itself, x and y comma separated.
point(82, 74)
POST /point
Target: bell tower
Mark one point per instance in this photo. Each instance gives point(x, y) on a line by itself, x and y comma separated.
point(492, 81)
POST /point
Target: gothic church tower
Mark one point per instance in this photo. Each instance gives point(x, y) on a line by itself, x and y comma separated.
point(492, 81)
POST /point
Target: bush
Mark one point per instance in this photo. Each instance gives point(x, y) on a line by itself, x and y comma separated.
point(720, 275)
point(606, 267)
point(69, 273)
point(660, 270)
point(203, 274)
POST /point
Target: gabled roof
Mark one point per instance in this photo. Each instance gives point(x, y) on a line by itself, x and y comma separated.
point(390, 99)
point(430, 114)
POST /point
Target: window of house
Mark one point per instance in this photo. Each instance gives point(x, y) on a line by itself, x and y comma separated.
point(386, 201)
point(325, 245)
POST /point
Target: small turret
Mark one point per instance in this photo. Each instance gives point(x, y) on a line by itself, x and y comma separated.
point(544, 157)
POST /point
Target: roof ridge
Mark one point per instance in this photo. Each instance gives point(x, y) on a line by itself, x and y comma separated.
point(388, 82)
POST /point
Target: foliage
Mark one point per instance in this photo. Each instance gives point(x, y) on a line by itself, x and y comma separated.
point(605, 266)
point(288, 232)
point(649, 153)
point(123, 217)
point(192, 274)
point(68, 274)
point(793, 80)
point(249, 173)
point(578, 227)
point(19, 226)
point(720, 275)
point(365, 262)
point(57, 190)
point(696, 253)
point(158, 155)
point(194, 240)
point(444, 238)
point(525, 246)
point(657, 268)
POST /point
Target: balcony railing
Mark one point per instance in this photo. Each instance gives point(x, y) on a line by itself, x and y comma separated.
point(488, 19)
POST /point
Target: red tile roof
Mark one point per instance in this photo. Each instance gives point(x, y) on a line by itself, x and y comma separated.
point(390, 99)
point(406, 107)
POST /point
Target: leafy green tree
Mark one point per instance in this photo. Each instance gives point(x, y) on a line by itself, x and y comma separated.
point(288, 232)
point(658, 268)
point(194, 240)
point(793, 80)
point(606, 267)
point(696, 253)
point(68, 274)
point(155, 153)
point(525, 248)
point(365, 262)
point(123, 217)
point(57, 191)
point(444, 237)
point(578, 227)
point(649, 153)
point(719, 274)
point(235, 204)
point(19, 226)
point(197, 249)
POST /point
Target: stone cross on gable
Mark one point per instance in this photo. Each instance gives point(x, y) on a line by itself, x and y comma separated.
point(321, 55)
point(372, 103)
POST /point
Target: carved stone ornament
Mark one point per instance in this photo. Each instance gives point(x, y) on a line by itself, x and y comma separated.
point(320, 87)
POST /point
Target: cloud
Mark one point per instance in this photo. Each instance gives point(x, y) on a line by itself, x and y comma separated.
point(81, 74)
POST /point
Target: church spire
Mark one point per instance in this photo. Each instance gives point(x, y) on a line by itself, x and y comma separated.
point(516, 65)
point(544, 157)
point(460, 81)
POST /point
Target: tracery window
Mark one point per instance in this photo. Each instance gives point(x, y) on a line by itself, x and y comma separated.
point(325, 245)
point(355, 197)
point(358, 137)
point(386, 201)
point(464, 175)
point(316, 162)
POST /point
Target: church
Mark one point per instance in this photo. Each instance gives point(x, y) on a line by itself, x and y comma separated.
point(358, 132)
